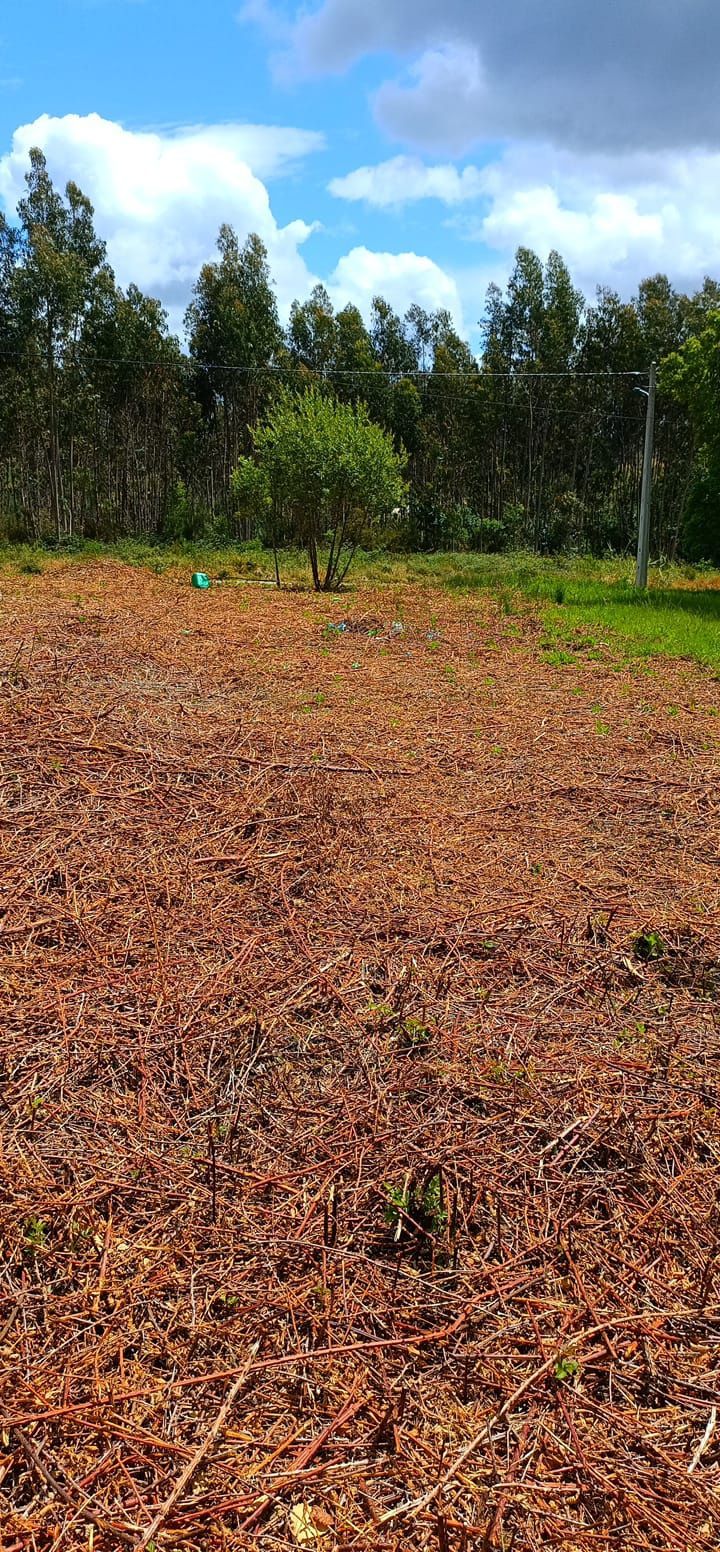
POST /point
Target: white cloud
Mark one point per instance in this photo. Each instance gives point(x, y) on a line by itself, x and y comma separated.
point(615, 219)
point(160, 197)
point(403, 179)
point(401, 278)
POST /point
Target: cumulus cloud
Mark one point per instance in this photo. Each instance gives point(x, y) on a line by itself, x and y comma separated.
point(161, 197)
point(575, 72)
point(404, 179)
point(401, 278)
point(614, 218)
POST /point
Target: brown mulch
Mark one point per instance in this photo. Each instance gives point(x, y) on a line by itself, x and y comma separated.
point(360, 1152)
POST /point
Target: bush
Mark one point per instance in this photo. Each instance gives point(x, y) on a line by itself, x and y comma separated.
point(328, 476)
point(701, 528)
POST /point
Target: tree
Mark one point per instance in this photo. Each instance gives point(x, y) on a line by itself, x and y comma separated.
point(660, 313)
point(330, 472)
point(691, 376)
point(142, 417)
point(389, 341)
point(525, 310)
point(312, 335)
point(234, 337)
point(108, 426)
point(61, 265)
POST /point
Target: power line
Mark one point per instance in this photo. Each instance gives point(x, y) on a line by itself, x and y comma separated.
point(481, 374)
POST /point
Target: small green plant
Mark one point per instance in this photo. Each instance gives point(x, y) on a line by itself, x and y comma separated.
point(35, 1232)
point(226, 1302)
point(558, 659)
point(648, 946)
point(422, 1203)
point(566, 1368)
point(380, 1010)
point(417, 1033)
point(559, 593)
point(398, 1202)
point(629, 1036)
point(433, 1211)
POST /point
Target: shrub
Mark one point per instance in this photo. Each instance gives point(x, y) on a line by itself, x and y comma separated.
point(329, 476)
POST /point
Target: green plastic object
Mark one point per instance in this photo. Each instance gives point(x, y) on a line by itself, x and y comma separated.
point(199, 579)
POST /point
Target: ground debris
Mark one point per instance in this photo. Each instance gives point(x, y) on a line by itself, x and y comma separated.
point(358, 1178)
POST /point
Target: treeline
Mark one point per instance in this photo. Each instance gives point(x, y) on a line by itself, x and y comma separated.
point(109, 426)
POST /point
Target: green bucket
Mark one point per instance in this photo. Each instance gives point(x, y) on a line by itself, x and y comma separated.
point(199, 579)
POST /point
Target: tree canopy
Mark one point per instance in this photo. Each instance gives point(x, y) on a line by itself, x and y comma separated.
point(111, 425)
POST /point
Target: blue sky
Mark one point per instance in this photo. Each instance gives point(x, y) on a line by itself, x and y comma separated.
point(406, 146)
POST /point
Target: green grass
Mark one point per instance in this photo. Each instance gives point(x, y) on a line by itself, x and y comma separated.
point(580, 599)
point(678, 621)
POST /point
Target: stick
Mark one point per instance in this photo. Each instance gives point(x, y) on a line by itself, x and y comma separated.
point(705, 1441)
point(200, 1453)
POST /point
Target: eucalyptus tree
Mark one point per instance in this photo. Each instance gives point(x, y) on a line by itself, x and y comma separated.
point(59, 266)
point(235, 341)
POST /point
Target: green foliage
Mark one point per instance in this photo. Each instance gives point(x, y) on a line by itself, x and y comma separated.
point(692, 377)
point(35, 1232)
point(423, 1203)
point(566, 1368)
point(649, 946)
point(109, 429)
point(416, 1034)
point(332, 476)
point(556, 658)
point(398, 1202)
point(251, 493)
point(185, 520)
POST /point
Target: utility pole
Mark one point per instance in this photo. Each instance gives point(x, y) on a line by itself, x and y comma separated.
point(643, 549)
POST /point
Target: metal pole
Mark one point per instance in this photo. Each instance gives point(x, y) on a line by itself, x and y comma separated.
point(643, 549)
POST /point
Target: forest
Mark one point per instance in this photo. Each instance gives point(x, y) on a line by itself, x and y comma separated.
point(111, 426)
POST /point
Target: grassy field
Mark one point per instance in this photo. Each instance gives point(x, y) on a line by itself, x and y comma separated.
point(679, 616)
point(359, 1136)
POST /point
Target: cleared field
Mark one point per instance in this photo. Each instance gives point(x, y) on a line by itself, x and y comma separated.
point(360, 1144)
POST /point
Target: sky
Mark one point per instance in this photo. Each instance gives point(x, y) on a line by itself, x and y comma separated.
point(398, 146)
